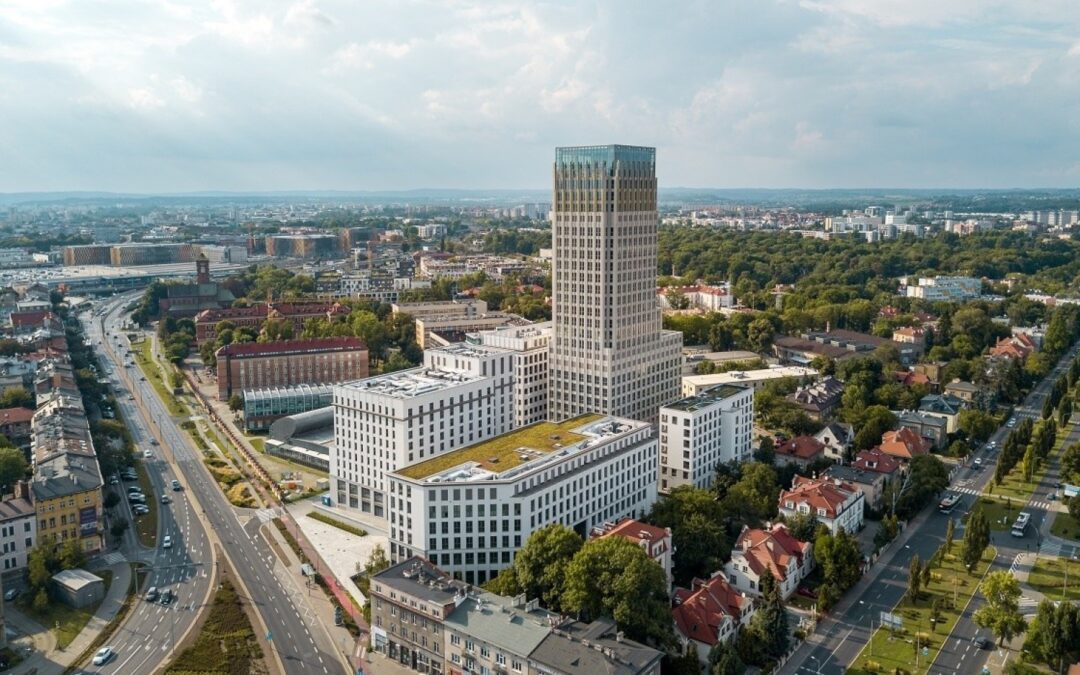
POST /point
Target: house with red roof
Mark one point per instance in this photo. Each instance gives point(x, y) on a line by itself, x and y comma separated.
point(910, 379)
point(876, 460)
point(801, 451)
point(709, 612)
point(904, 444)
point(1016, 346)
point(655, 541)
point(836, 504)
point(769, 551)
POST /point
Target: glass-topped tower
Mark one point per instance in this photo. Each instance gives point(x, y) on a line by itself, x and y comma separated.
point(608, 353)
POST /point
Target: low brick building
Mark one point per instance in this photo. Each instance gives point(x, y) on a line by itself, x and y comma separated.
point(254, 317)
point(255, 365)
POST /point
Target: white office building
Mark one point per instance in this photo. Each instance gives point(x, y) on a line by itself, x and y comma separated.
point(383, 423)
point(469, 511)
point(608, 351)
point(947, 289)
point(529, 345)
point(699, 432)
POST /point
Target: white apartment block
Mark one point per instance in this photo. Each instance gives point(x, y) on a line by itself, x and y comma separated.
point(948, 289)
point(469, 511)
point(609, 353)
point(699, 432)
point(530, 347)
point(18, 529)
point(387, 422)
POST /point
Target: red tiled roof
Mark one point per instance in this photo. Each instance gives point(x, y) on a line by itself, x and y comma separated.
point(699, 613)
point(904, 443)
point(770, 549)
point(34, 318)
point(327, 344)
point(818, 493)
point(909, 379)
point(634, 530)
point(1018, 346)
point(15, 415)
point(875, 460)
point(802, 447)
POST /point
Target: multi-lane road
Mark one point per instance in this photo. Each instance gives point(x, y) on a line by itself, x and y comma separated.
point(293, 634)
point(856, 617)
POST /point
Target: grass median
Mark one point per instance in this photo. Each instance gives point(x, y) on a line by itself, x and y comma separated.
point(1056, 578)
point(226, 643)
point(153, 372)
point(891, 651)
point(146, 525)
point(1065, 526)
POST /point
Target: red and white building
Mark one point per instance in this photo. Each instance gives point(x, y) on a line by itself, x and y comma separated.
point(801, 451)
point(835, 504)
point(709, 612)
point(1016, 346)
point(655, 541)
point(772, 551)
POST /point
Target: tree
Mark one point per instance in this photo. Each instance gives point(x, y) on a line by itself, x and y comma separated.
point(1028, 464)
point(753, 497)
point(236, 402)
point(39, 563)
point(977, 424)
point(541, 565)
point(684, 663)
point(875, 422)
point(41, 600)
point(12, 468)
point(724, 659)
point(839, 558)
point(950, 532)
point(936, 610)
point(1070, 463)
point(16, 397)
point(803, 526)
point(976, 539)
point(72, 555)
point(927, 476)
point(1001, 613)
point(615, 578)
point(118, 527)
point(914, 579)
point(111, 499)
point(377, 561)
point(1053, 637)
point(770, 623)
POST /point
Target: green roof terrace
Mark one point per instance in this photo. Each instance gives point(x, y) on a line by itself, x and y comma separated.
point(507, 451)
point(706, 398)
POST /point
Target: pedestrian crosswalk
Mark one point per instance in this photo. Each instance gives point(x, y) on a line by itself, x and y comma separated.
point(112, 558)
point(1036, 503)
point(265, 515)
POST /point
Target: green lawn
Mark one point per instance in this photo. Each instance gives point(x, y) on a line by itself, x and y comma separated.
point(65, 622)
point(153, 372)
point(888, 651)
point(257, 442)
point(146, 526)
point(1065, 526)
point(1014, 486)
point(339, 524)
point(1001, 513)
point(1048, 577)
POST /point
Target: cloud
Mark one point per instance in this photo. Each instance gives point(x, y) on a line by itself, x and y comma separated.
point(295, 94)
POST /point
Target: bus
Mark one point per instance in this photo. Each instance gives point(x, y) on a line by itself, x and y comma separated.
point(1021, 524)
point(947, 504)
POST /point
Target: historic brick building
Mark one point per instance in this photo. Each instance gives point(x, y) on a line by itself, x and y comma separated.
point(253, 317)
point(254, 365)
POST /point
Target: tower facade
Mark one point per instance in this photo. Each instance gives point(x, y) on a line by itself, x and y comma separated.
point(609, 353)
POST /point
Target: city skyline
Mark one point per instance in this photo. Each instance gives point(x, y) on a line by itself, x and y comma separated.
point(319, 95)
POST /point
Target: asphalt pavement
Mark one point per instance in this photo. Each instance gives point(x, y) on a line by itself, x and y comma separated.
point(842, 636)
point(287, 630)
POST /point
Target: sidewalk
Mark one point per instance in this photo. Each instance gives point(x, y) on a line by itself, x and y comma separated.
point(314, 596)
point(56, 660)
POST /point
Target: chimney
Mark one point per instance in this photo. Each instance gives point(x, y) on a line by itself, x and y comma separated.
point(22, 490)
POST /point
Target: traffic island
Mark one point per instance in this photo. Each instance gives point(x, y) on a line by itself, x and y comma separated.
point(1056, 578)
point(912, 642)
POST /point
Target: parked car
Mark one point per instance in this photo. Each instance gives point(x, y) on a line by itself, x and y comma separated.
point(152, 593)
point(977, 463)
point(137, 499)
point(147, 454)
point(104, 655)
point(165, 499)
point(10, 594)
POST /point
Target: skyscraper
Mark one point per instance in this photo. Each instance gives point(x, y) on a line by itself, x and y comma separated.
point(608, 354)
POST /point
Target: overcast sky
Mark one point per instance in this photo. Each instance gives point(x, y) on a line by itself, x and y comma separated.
point(171, 95)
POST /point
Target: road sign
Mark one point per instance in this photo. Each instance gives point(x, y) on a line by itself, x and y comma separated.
point(890, 620)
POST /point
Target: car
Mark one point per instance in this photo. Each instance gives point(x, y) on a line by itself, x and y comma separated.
point(166, 542)
point(153, 441)
point(1011, 423)
point(142, 379)
point(167, 597)
point(114, 480)
point(977, 463)
point(176, 485)
point(165, 499)
point(147, 454)
point(1052, 496)
point(104, 655)
point(152, 594)
point(982, 642)
point(137, 499)
point(10, 594)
